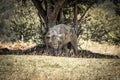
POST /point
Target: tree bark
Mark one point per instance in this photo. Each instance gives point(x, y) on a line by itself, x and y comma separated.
point(52, 11)
point(75, 18)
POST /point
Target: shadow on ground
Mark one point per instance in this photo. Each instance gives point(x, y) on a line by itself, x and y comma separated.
point(40, 50)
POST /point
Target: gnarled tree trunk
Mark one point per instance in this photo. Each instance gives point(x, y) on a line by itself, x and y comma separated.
point(53, 11)
point(49, 12)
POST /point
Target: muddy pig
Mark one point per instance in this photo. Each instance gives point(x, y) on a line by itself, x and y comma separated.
point(59, 36)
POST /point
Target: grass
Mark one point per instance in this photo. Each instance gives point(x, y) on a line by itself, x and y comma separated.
point(33, 67)
point(100, 48)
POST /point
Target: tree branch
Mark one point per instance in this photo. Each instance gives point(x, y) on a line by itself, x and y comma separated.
point(79, 21)
point(41, 10)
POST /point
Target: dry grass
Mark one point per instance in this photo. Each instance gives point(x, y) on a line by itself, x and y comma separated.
point(17, 45)
point(34, 67)
point(86, 45)
point(100, 48)
point(27, 67)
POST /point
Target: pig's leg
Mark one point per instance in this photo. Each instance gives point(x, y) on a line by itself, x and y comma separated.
point(74, 45)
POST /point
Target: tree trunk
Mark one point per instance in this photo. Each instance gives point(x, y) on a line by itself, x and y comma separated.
point(60, 17)
point(53, 11)
point(75, 18)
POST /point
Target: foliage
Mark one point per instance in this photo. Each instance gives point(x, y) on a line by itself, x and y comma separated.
point(19, 22)
point(101, 24)
point(23, 22)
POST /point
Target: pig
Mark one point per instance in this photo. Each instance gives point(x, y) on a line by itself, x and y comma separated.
point(58, 37)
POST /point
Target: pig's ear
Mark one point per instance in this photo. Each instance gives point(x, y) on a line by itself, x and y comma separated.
point(61, 30)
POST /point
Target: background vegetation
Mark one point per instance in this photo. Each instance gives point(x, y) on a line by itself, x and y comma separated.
point(18, 22)
point(21, 22)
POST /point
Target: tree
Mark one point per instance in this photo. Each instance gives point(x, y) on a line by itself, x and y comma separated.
point(50, 11)
point(28, 19)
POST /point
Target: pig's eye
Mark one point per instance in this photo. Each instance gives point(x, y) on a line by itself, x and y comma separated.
point(47, 37)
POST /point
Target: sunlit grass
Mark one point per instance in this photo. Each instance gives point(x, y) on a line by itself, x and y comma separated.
point(17, 45)
point(26, 67)
point(100, 48)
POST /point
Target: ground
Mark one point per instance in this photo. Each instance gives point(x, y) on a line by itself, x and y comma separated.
point(37, 67)
point(89, 50)
point(88, 65)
